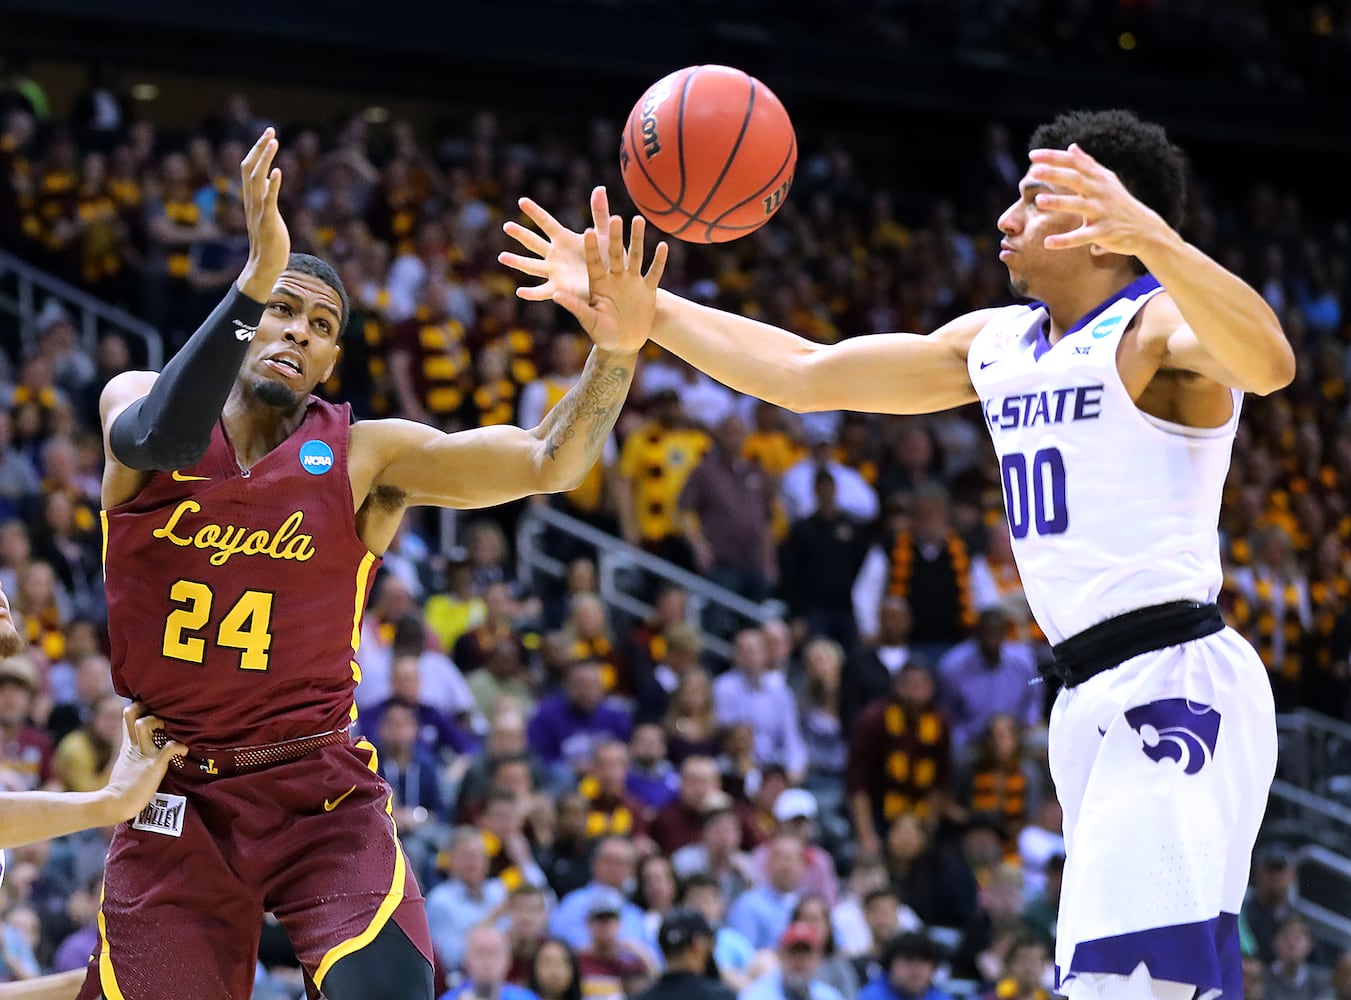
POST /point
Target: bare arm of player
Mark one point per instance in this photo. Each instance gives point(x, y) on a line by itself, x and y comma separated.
point(26, 817)
point(879, 373)
point(492, 465)
point(62, 986)
point(1220, 326)
point(884, 373)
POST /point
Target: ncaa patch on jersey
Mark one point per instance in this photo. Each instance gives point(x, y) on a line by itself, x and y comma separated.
point(1105, 327)
point(162, 814)
point(316, 457)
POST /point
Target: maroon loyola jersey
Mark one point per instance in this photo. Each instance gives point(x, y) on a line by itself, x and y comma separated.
point(235, 599)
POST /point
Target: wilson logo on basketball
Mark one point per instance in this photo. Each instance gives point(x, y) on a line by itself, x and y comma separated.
point(775, 198)
point(648, 125)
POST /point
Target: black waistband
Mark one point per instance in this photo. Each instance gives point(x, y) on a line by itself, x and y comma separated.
point(1111, 643)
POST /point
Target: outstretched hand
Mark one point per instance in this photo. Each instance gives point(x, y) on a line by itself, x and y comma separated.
point(269, 240)
point(618, 310)
point(1113, 218)
point(560, 254)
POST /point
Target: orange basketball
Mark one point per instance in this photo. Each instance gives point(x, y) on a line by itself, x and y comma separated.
point(708, 154)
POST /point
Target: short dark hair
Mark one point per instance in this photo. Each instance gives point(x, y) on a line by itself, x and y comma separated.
point(700, 880)
point(306, 263)
point(912, 945)
point(1151, 167)
point(881, 892)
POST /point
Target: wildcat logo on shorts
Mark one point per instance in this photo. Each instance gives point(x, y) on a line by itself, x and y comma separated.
point(1177, 729)
point(163, 814)
point(316, 457)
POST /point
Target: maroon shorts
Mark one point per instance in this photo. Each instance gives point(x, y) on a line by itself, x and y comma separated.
point(311, 840)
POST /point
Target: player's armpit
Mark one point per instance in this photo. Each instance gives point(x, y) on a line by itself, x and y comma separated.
point(467, 469)
point(1185, 352)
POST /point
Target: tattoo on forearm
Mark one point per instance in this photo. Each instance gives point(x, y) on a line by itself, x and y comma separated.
point(594, 404)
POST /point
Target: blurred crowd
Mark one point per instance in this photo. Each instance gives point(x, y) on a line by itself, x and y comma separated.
point(857, 796)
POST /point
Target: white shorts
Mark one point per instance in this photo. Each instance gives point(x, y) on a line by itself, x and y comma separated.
point(1162, 766)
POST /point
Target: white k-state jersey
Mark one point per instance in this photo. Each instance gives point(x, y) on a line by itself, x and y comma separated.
point(1109, 509)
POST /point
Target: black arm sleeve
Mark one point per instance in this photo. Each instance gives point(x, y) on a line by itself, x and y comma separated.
point(170, 427)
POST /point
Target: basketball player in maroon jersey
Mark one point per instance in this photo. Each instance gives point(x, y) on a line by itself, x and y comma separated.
point(244, 519)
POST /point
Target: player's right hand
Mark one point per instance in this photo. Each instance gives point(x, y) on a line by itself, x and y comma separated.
point(140, 765)
point(269, 240)
point(561, 258)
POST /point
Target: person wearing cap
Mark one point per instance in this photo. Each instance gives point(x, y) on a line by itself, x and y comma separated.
point(799, 959)
point(795, 812)
point(612, 968)
point(686, 939)
point(908, 966)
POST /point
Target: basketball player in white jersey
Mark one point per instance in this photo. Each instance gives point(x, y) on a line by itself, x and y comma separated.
point(1112, 401)
point(26, 817)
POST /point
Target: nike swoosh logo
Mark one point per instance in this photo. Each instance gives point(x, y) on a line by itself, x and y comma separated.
point(330, 806)
point(987, 364)
point(180, 478)
point(1101, 731)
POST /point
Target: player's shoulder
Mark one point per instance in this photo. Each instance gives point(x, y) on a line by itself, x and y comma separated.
point(388, 434)
point(961, 332)
point(1159, 318)
point(125, 388)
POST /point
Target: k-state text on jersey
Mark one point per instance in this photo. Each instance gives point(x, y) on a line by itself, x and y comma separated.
point(1047, 406)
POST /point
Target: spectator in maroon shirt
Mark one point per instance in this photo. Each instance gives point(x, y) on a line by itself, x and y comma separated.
point(681, 822)
point(725, 514)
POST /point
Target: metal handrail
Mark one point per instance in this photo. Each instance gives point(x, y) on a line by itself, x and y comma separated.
point(613, 555)
point(1337, 922)
point(90, 310)
point(1305, 799)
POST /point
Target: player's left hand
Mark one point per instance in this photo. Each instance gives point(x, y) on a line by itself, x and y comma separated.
point(140, 764)
point(618, 313)
point(1113, 218)
point(560, 254)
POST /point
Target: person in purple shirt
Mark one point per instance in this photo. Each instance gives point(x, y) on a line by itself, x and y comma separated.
point(985, 676)
point(437, 731)
point(652, 779)
point(569, 725)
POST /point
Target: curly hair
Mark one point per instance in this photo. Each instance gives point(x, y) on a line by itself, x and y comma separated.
point(1151, 167)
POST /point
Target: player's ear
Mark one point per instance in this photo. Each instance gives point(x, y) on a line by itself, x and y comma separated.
point(328, 372)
